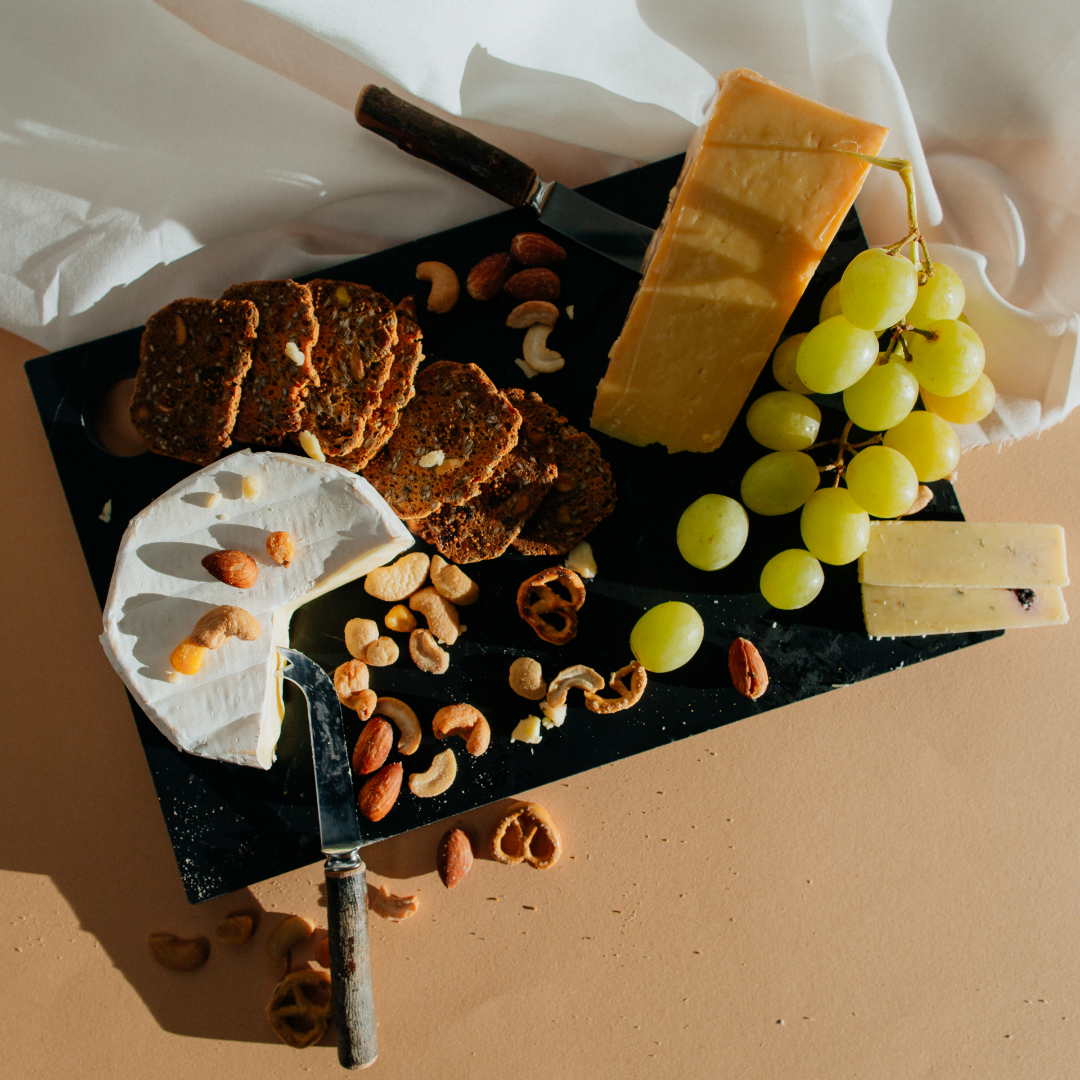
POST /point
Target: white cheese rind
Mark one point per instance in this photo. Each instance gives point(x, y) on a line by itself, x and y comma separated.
point(230, 710)
point(964, 554)
point(901, 611)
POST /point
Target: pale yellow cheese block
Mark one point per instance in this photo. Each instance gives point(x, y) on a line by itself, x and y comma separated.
point(964, 554)
point(900, 611)
point(762, 194)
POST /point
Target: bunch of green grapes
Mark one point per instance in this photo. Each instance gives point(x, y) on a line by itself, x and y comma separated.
point(883, 338)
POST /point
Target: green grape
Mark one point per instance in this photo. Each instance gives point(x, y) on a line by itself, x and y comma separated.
point(882, 481)
point(784, 420)
point(967, 408)
point(942, 297)
point(779, 483)
point(667, 636)
point(712, 531)
point(834, 527)
point(882, 397)
point(834, 355)
point(830, 306)
point(791, 579)
point(928, 443)
point(783, 364)
point(877, 289)
point(951, 363)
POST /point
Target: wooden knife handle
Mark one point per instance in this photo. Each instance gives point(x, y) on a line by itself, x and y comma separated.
point(350, 967)
point(451, 148)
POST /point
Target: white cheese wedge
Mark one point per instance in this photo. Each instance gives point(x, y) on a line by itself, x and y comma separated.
point(900, 611)
point(964, 554)
point(231, 708)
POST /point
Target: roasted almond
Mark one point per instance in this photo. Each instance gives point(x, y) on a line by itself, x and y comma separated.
point(536, 249)
point(535, 283)
point(373, 746)
point(233, 568)
point(489, 275)
point(454, 858)
point(379, 794)
point(747, 669)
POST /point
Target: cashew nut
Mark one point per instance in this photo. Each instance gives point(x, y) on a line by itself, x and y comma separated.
point(444, 285)
point(453, 583)
point(554, 707)
point(527, 678)
point(401, 619)
point(399, 580)
point(466, 721)
point(537, 355)
point(395, 709)
point(442, 617)
point(382, 652)
point(223, 622)
point(532, 312)
point(281, 940)
point(177, 953)
point(426, 653)
point(236, 929)
point(923, 498)
point(365, 704)
point(437, 779)
point(359, 633)
point(390, 906)
point(350, 679)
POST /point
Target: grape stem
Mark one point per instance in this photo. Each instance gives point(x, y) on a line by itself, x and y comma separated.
point(843, 447)
point(914, 236)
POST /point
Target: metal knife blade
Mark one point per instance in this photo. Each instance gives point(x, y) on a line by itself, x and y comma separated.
point(338, 826)
point(346, 876)
point(500, 174)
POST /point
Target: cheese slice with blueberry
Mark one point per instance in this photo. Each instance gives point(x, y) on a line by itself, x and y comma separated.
point(231, 709)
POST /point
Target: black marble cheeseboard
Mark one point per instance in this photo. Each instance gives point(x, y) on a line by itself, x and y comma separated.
point(232, 826)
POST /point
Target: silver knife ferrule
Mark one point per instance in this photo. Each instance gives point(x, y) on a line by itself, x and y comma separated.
point(538, 194)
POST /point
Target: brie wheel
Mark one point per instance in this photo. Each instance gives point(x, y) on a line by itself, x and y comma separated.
point(231, 708)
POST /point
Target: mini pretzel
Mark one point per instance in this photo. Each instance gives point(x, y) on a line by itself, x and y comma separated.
point(627, 697)
point(299, 1011)
point(535, 600)
point(526, 834)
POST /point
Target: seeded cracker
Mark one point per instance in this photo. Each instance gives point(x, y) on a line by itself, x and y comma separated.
point(484, 527)
point(192, 360)
point(581, 497)
point(457, 414)
point(352, 358)
point(274, 388)
point(396, 393)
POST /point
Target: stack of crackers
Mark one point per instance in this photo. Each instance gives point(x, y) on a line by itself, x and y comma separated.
point(334, 367)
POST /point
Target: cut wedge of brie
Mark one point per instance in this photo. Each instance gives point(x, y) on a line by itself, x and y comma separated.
point(231, 708)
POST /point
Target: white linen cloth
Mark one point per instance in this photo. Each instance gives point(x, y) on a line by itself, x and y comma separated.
point(155, 150)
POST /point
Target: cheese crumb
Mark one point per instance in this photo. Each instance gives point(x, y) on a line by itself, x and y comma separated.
point(106, 512)
point(294, 354)
point(581, 560)
point(310, 446)
point(431, 459)
point(251, 486)
point(527, 731)
point(570, 311)
point(175, 676)
point(213, 499)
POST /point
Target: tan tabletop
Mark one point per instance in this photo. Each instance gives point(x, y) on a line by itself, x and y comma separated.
point(880, 882)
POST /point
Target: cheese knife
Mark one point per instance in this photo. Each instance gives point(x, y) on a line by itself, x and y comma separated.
point(501, 174)
point(346, 874)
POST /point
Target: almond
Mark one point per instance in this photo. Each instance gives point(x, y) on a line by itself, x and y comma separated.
point(535, 283)
point(233, 568)
point(747, 669)
point(379, 794)
point(536, 249)
point(373, 746)
point(489, 275)
point(455, 857)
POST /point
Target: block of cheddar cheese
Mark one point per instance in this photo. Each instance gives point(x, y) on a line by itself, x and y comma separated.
point(902, 611)
point(761, 195)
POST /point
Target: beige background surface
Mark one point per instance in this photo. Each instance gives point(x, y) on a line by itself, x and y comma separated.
point(881, 882)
